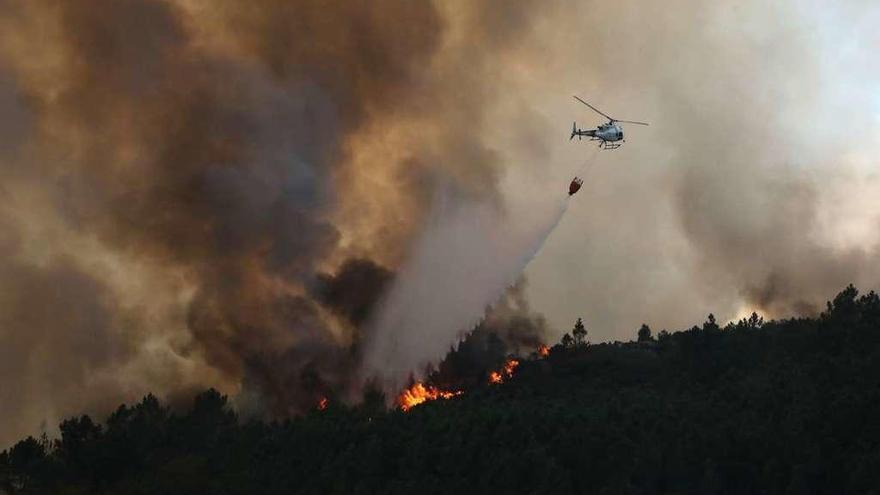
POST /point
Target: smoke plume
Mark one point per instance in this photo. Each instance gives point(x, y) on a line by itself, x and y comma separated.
point(278, 198)
point(216, 194)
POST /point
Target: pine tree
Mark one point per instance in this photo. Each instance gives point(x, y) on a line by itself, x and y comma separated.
point(567, 342)
point(579, 332)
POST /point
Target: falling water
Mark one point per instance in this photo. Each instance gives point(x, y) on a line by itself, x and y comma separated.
point(468, 255)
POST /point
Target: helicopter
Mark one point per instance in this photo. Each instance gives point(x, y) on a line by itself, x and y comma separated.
point(609, 135)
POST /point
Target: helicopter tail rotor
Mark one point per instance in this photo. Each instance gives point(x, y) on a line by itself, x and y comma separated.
point(573, 130)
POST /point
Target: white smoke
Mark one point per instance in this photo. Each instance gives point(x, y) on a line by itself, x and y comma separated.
point(467, 256)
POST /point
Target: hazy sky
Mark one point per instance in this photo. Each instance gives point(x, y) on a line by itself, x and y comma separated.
point(754, 187)
point(212, 193)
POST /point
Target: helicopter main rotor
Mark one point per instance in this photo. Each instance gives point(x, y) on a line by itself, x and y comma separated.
point(611, 119)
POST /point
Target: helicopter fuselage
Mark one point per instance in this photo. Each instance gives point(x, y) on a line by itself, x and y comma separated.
point(609, 132)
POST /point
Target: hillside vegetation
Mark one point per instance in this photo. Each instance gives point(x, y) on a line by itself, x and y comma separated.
point(752, 407)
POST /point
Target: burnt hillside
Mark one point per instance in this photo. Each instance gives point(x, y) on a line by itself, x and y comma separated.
point(752, 407)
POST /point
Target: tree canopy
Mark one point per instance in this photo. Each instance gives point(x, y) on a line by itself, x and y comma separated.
point(749, 407)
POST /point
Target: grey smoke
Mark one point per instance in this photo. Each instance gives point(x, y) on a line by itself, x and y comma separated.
point(178, 178)
point(468, 255)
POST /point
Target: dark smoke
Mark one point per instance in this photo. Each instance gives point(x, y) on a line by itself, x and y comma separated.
point(218, 194)
point(520, 328)
point(354, 290)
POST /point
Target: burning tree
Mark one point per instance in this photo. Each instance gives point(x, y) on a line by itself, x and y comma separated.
point(505, 372)
point(419, 393)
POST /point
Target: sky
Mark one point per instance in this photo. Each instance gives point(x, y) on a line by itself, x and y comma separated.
point(239, 194)
point(754, 188)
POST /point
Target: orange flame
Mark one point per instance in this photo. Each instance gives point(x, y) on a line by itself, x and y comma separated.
point(505, 372)
point(323, 403)
point(510, 366)
point(543, 350)
point(495, 377)
point(419, 393)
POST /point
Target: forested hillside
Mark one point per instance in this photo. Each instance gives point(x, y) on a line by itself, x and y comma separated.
point(752, 407)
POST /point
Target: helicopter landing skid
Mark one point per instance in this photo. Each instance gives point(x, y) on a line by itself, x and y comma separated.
point(607, 145)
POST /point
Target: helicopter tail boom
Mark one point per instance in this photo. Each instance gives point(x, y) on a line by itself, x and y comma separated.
point(580, 132)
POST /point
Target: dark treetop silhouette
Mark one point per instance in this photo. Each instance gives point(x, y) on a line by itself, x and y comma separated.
point(752, 407)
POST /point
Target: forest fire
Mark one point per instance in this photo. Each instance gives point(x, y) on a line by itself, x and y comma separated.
point(543, 351)
point(322, 404)
point(419, 393)
point(505, 372)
